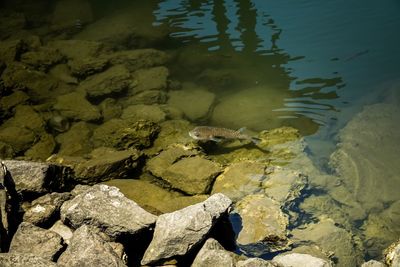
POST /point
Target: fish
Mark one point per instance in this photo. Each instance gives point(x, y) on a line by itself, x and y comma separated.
point(217, 134)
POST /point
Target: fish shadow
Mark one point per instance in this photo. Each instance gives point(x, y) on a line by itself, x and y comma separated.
point(216, 148)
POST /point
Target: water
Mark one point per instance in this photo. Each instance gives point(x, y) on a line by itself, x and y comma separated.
point(309, 64)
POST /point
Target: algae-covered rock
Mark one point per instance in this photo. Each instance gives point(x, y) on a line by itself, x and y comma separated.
point(148, 97)
point(110, 109)
point(10, 50)
point(179, 232)
point(43, 58)
point(83, 67)
point(160, 163)
point(6, 150)
point(76, 141)
point(154, 198)
point(16, 98)
point(112, 81)
point(138, 58)
point(106, 164)
point(263, 224)
point(26, 117)
point(143, 112)
point(240, 179)
point(194, 102)
point(78, 49)
point(193, 175)
point(326, 235)
point(106, 208)
point(19, 139)
point(42, 149)
point(63, 73)
point(75, 106)
point(151, 79)
point(122, 134)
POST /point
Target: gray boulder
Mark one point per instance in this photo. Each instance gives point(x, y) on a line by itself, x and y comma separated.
point(213, 254)
point(256, 262)
point(107, 208)
point(392, 254)
point(263, 223)
point(300, 260)
point(179, 232)
point(75, 107)
point(45, 209)
point(193, 175)
point(373, 263)
point(87, 248)
point(34, 178)
point(24, 260)
point(32, 239)
point(64, 231)
point(112, 81)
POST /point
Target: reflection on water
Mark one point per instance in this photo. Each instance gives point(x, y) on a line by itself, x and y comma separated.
point(256, 64)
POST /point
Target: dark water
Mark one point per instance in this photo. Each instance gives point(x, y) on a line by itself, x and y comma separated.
point(308, 64)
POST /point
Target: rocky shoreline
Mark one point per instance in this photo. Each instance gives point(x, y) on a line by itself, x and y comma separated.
point(98, 226)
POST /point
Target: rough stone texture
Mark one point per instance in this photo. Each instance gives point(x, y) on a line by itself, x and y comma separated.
point(76, 141)
point(178, 232)
point(42, 149)
point(263, 222)
point(326, 235)
point(144, 112)
point(13, 100)
point(300, 260)
point(107, 208)
point(88, 249)
point(78, 49)
point(192, 175)
point(392, 254)
point(195, 103)
point(64, 231)
point(373, 263)
point(240, 179)
point(124, 134)
point(63, 73)
point(45, 209)
point(213, 254)
point(75, 106)
point(256, 262)
point(34, 178)
point(26, 117)
point(158, 164)
point(151, 79)
point(83, 67)
point(110, 109)
point(24, 260)
point(106, 164)
point(32, 239)
point(284, 185)
point(112, 81)
point(43, 58)
point(148, 97)
point(138, 58)
point(18, 139)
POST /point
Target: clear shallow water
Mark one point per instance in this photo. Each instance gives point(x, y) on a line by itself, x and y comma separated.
point(308, 64)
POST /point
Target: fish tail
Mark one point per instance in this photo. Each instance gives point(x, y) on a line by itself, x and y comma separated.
point(255, 140)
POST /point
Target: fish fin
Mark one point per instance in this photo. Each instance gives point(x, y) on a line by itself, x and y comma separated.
point(256, 140)
point(217, 139)
point(241, 130)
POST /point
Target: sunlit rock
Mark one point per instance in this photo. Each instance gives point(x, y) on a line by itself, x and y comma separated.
point(373, 263)
point(64, 231)
point(263, 224)
point(213, 254)
point(177, 233)
point(31, 239)
point(106, 208)
point(300, 260)
point(24, 259)
point(392, 254)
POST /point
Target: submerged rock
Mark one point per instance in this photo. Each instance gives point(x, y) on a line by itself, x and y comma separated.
point(151, 79)
point(43, 58)
point(10, 50)
point(177, 233)
point(108, 209)
point(7, 103)
point(78, 49)
point(87, 248)
point(63, 73)
point(193, 175)
point(110, 82)
point(195, 102)
point(16, 139)
point(76, 141)
point(110, 109)
point(240, 179)
point(75, 106)
point(213, 254)
point(43, 149)
point(143, 112)
point(263, 224)
point(138, 58)
point(67, 14)
point(31, 239)
point(148, 97)
point(84, 67)
point(300, 260)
